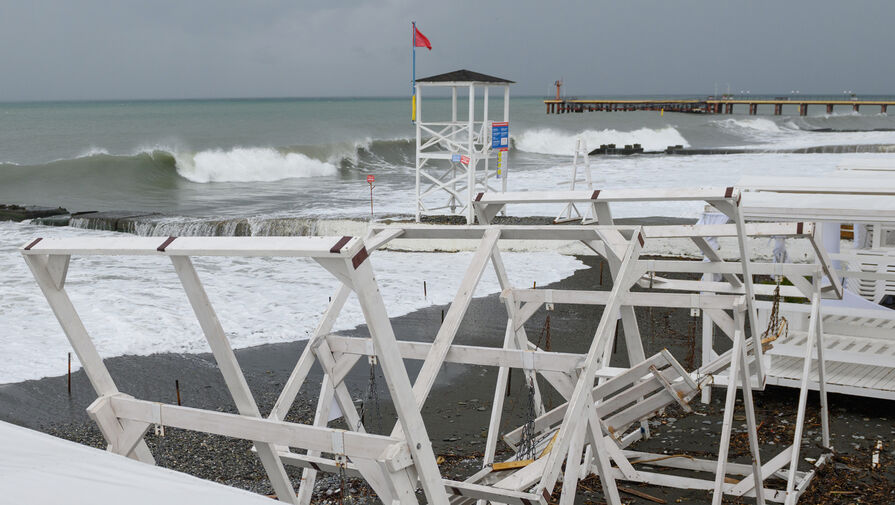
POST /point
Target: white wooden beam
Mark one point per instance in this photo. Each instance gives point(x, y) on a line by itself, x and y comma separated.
point(398, 382)
point(80, 340)
point(232, 373)
point(451, 324)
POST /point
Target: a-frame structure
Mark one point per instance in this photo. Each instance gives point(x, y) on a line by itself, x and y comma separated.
point(383, 461)
point(606, 404)
point(570, 212)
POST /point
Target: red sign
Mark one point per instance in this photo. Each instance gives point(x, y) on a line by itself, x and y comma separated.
point(371, 178)
point(464, 160)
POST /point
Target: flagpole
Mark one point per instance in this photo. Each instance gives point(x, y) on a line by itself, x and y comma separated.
point(413, 68)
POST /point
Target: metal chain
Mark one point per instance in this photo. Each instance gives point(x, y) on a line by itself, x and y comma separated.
point(340, 462)
point(527, 442)
point(777, 324)
point(371, 398)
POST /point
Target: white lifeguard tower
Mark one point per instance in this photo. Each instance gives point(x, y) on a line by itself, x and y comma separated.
point(449, 152)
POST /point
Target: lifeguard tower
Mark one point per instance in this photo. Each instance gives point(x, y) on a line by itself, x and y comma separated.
point(453, 157)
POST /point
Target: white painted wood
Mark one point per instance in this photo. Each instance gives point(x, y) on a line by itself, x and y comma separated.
point(316, 247)
point(587, 232)
point(452, 319)
point(80, 340)
point(305, 362)
point(584, 385)
point(232, 373)
point(817, 185)
point(57, 265)
point(830, 207)
point(401, 392)
point(282, 433)
point(724, 446)
point(500, 387)
point(791, 497)
point(321, 416)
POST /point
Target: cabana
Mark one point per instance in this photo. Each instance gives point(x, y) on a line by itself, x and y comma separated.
point(859, 332)
point(39, 468)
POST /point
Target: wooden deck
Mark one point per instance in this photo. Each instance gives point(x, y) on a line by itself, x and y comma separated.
point(873, 378)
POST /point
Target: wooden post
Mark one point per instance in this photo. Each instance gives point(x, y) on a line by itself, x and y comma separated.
point(407, 404)
point(233, 376)
point(74, 329)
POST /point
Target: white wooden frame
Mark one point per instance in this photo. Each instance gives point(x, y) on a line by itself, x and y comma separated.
point(395, 465)
point(392, 465)
point(570, 212)
point(577, 438)
point(838, 198)
point(437, 175)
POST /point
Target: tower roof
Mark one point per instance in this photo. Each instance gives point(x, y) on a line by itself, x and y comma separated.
point(465, 76)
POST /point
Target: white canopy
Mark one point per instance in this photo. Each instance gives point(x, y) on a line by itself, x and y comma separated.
point(36, 468)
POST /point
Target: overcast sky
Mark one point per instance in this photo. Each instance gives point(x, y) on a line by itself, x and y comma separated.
point(120, 49)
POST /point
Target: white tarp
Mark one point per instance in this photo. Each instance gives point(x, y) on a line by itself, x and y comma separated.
point(39, 469)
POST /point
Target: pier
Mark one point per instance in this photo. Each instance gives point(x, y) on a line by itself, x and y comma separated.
point(705, 106)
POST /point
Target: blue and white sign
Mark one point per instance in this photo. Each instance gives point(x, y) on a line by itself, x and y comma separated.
point(455, 158)
point(500, 135)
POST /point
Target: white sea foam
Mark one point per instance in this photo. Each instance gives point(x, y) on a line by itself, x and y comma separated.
point(751, 125)
point(792, 133)
point(549, 141)
point(249, 164)
point(134, 305)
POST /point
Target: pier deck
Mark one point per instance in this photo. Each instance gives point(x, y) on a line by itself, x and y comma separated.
point(704, 106)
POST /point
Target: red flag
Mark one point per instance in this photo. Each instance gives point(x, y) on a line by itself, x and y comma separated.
point(420, 40)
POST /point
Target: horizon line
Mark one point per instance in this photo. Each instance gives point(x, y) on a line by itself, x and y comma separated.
point(390, 97)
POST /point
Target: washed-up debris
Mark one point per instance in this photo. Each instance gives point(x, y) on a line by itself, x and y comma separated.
point(874, 461)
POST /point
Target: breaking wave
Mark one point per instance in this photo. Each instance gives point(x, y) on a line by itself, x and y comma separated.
point(549, 141)
point(249, 164)
point(162, 165)
point(752, 125)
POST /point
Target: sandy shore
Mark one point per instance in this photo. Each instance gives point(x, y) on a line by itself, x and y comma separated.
point(457, 412)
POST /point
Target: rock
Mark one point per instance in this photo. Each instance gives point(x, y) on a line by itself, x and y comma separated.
point(57, 220)
point(113, 220)
point(20, 213)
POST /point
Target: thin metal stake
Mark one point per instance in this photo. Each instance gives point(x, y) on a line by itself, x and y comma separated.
point(177, 387)
point(424, 290)
point(69, 374)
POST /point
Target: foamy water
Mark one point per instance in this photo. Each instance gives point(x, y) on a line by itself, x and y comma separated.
point(550, 141)
point(135, 305)
point(790, 134)
point(242, 164)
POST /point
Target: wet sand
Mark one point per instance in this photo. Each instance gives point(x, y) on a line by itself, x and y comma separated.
point(457, 411)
